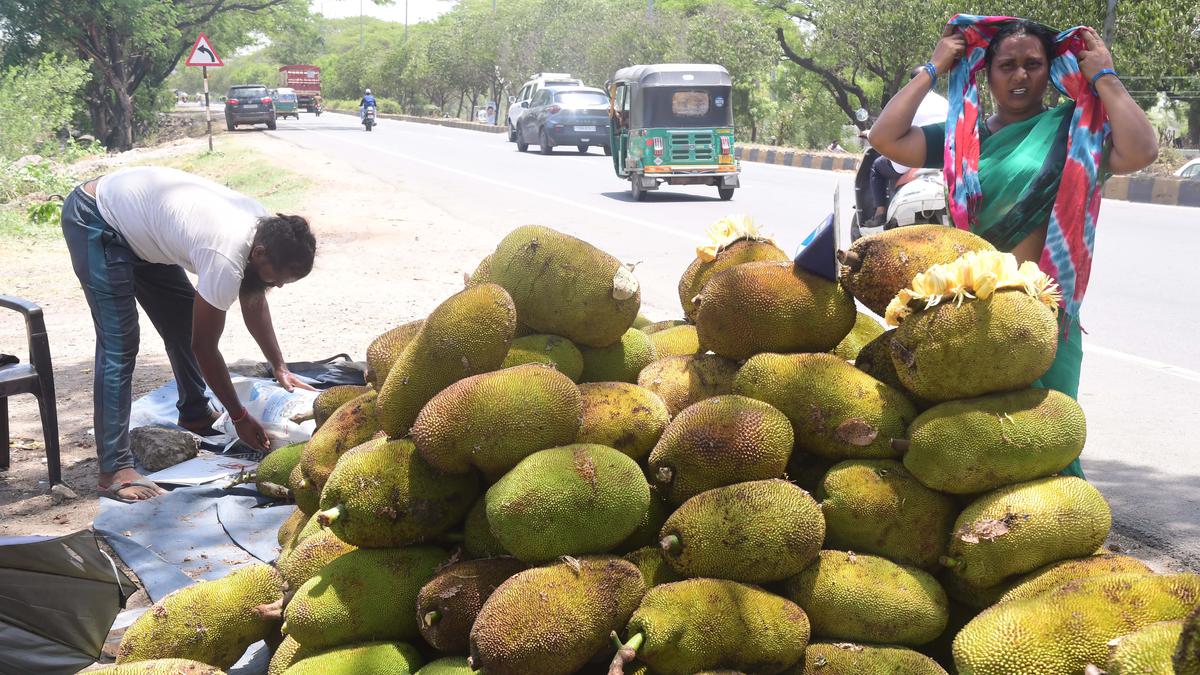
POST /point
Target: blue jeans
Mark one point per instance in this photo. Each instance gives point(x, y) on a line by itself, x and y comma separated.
point(114, 282)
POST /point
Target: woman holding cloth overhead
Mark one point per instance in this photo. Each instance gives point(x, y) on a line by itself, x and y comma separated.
point(1027, 178)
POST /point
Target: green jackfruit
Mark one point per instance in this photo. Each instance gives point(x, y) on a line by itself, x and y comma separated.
point(876, 267)
point(551, 620)
point(622, 416)
point(870, 599)
point(385, 349)
point(641, 321)
point(367, 594)
point(1187, 652)
point(160, 667)
point(478, 540)
point(980, 444)
point(876, 506)
point(1022, 527)
point(681, 381)
point(327, 402)
point(698, 273)
point(847, 658)
point(286, 654)
point(572, 500)
point(482, 273)
point(565, 286)
point(653, 566)
point(310, 555)
point(468, 334)
point(647, 530)
point(291, 527)
point(448, 604)
point(875, 359)
point(211, 622)
point(551, 350)
point(719, 441)
point(1056, 574)
point(451, 665)
point(619, 362)
point(1069, 627)
point(351, 425)
point(272, 473)
point(953, 351)
point(1146, 651)
point(755, 532)
point(866, 328)
point(699, 624)
point(653, 328)
point(772, 307)
point(966, 595)
point(837, 411)
point(385, 495)
point(366, 658)
point(677, 341)
point(306, 493)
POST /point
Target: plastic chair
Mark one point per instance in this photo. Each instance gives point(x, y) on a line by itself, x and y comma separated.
point(36, 378)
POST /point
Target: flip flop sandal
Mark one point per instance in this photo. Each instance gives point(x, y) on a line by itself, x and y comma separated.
point(113, 491)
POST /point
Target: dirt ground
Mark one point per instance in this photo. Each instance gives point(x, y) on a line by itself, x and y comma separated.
point(383, 258)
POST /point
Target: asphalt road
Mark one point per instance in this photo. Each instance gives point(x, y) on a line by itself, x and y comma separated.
point(1141, 371)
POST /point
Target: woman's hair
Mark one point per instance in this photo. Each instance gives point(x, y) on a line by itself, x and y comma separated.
point(1018, 28)
point(290, 244)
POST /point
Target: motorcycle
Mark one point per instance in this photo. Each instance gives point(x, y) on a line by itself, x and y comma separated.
point(918, 196)
point(368, 117)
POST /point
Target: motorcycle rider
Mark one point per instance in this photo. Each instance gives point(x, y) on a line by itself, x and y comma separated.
point(934, 108)
point(367, 101)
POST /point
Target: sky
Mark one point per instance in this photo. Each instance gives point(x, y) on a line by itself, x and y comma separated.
point(418, 10)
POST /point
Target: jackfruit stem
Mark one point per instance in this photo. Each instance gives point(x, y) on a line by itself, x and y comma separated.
point(326, 518)
point(850, 259)
point(242, 478)
point(626, 653)
point(664, 474)
point(670, 544)
point(432, 618)
point(900, 444)
point(947, 561)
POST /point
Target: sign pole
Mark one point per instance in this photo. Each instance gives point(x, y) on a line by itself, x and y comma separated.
point(207, 110)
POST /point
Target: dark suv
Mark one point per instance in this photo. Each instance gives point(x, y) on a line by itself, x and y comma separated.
point(249, 104)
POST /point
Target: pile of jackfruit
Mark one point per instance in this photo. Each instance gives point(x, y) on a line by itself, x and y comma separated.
point(539, 481)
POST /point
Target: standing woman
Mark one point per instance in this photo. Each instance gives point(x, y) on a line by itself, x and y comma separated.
point(1027, 178)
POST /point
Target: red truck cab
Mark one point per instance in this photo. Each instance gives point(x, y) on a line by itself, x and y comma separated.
point(306, 81)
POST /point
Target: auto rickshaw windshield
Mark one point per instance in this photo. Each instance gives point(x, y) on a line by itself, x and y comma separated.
point(690, 107)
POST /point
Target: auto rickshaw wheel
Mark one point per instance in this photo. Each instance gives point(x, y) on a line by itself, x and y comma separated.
point(726, 193)
point(608, 151)
point(635, 188)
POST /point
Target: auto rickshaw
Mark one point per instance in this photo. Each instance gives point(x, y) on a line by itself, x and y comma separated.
point(286, 104)
point(673, 123)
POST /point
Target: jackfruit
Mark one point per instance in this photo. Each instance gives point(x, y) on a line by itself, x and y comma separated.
point(550, 620)
point(572, 500)
point(866, 329)
point(697, 624)
point(291, 527)
point(286, 655)
point(482, 273)
point(327, 402)
point(551, 350)
point(622, 416)
point(351, 425)
point(386, 348)
point(385, 495)
point(494, 420)
point(966, 595)
point(1146, 651)
point(1056, 574)
point(681, 381)
point(1187, 652)
point(1065, 629)
point(653, 566)
point(448, 604)
point(653, 328)
point(310, 555)
point(640, 321)
point(272, 473)
point(677, 341)
point(979, 347)
point(565, 286)
point(160, 667)
point(366, 658)
point(451, 665)
point(478, 540)
point(754, 532)
point(876, 267)
point(647, 530)
point(875, 359)
point(703, 268)
point(976, 445)
point(870, 599)
point(720, 441)
point(772, 307)
point(305, 492)
point(1019, 528)
point(877, 506)
point(847, 658)
point(619, 362)
point(468, 334)
point(837, 411)
point(211, 622)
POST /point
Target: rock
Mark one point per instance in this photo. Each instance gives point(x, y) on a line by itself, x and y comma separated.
point(158, 447)
point(60, 493)
point(26, 161)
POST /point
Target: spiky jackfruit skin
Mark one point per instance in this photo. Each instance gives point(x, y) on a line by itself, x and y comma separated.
point(677, 341)
point(494, 420)
point(351, 425)
point(363, 595)
point(161, 667)
point(980, 444)
point(291, 527)
point(286, 655)
point(1187, 652)
point(720, 441)
point(875, 359)
point(647, 530)
point(565, 286)
point(866, 328)
point(368, 658)
point(847, 658)
point(699, 624)
point(451, 665)
point(1069, 627)
point(385, 349)
point(653, 328)
point(754, 532)
point(869, 599)
point(653, 566)
point(622, 416)
point(310, 555)
point(573, 500)
point(385, 495)
point(327, 402)
point(551, 620)
point(966, 595)
point(1019, 528)
point(478, 540)
point(1056, 574)
point(1146, 651)
point(700, 271)
point(980, 347)
point(211, 622)
point(448, 604)
point(837, 411)
point(772, 307)
point(681, 381)
point(275, 469)
point(551, 350)
point(888, 261)
point(876, 506)
point(304, 491)
point(619, 362)
point(468, 334)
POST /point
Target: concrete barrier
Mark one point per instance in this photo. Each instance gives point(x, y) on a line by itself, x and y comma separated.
point(767, 154)
point(1154, 190)
point(451, 122)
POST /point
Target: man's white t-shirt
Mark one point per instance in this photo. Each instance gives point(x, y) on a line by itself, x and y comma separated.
point(172, 217)
point(934, 108)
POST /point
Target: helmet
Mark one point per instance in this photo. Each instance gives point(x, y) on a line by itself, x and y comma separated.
point(368, 92)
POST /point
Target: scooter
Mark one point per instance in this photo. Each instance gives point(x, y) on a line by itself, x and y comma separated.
point(919, 196)
point(368, 118)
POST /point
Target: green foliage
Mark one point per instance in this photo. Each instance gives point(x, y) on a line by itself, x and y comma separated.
point(36, 101)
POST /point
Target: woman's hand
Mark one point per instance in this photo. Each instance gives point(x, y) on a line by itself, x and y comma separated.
point(1095, 57)
point(949, 50)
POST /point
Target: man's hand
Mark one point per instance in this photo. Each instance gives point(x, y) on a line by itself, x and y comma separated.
point(290, 381)
point(1096, 57)
point(252, 433)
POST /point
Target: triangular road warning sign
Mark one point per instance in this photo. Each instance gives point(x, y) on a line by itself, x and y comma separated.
point(203, 54)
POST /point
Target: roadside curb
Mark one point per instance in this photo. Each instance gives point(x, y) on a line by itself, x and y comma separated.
point(439, 121)
point(1167, 190)
point(767, 154)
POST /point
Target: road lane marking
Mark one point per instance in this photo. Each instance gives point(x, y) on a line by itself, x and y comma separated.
point(1157, 366)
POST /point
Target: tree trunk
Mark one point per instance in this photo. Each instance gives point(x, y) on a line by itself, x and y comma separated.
point(1193, 133)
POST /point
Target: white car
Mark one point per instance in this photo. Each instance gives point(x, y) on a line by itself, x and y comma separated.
point(1190, 170)
point(517, 104)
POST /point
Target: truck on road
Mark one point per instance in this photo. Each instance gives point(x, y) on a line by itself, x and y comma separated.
point(306, 81)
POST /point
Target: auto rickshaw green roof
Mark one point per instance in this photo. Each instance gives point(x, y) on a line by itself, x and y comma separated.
point(675, 75)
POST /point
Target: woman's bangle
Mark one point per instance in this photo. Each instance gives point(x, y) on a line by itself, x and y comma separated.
point(240, 416)
point(932, 70)
point(1102, 73)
